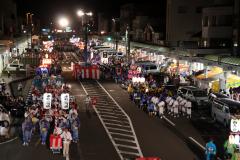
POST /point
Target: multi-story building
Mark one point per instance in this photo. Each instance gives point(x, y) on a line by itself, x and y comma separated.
point(236, 28)
point(145, 21)
point(217, 25)
point(184, 19)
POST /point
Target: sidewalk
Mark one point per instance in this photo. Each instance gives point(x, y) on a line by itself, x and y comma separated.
point(8, 80)
point(15, 121)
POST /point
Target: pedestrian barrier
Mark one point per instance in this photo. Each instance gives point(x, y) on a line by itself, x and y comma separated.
point(86, 72)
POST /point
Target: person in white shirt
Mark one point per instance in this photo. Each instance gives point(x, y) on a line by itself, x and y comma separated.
point(168, 99)
point(170, 108)
point(175, 108)
point(179, 98)
point(182, 106)
point(161, 106)
point(189, 108)
point(67, 138)
point(87, 102)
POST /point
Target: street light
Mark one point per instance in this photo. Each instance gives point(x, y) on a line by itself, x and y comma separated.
point(83, 14)
point(80, 13)
point(89, 14)
point(63, 22)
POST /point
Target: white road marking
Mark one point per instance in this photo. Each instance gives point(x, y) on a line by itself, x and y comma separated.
point(107, 119)
point(124, 140)
point(113, 120)
point(9, 140)
point(121, 134)
point(108, 116)
point(112, 113)
point(119, 125)
point(169, 121)
point(131, 153)
point(195, 141)
point(126, 146)
point(117, 129)
point(107, 110)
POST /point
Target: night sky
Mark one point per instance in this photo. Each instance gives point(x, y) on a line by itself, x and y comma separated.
point(48, 10)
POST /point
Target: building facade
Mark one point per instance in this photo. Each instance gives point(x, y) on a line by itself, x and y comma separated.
point(217, 26)
point(184, 19)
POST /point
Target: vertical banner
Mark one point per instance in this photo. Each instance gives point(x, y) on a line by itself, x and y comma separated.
point(47, 99)
point(65, 100)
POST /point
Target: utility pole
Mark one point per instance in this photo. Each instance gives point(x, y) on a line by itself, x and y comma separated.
point(85, 42)
point(126, 43)
point(115, 20)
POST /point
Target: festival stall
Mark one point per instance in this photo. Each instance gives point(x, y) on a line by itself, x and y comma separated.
point(209, 78)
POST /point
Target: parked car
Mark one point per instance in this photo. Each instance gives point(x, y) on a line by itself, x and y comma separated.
point(5, 120)
point(212, 96)
point(224, 109)
point(197, 96)
point(14, 67)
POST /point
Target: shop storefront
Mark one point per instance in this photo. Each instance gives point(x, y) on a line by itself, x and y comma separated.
point(19, 46)
point(4, 58)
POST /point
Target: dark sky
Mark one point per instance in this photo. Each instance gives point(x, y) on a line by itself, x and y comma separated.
point(47, 10)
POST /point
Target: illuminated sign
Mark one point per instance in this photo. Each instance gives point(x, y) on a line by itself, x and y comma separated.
point(46, 61)
point(235, 125)
point(138, 79)
point(65, 100)
point(59, 31)
point(47, 99)
point(235, 131)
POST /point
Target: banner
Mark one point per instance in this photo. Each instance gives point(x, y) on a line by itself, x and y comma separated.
point(47, 99)
point(65, 100)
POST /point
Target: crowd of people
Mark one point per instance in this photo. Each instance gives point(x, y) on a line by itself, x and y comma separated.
point(152, 95)
point(54, 121)
point(158, 100)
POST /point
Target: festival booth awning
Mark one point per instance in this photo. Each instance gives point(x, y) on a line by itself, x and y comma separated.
point(214, 73)
point(233, 81)
point(182, 67)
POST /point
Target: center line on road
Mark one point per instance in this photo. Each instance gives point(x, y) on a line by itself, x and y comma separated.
point(191, 138)
point(169, 121)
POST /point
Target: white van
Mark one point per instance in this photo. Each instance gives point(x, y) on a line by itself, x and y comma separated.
point(224, 109)
point(14, 66)
point(148, 67)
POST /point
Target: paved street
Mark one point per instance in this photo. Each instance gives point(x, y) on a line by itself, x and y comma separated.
point(170, 138)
